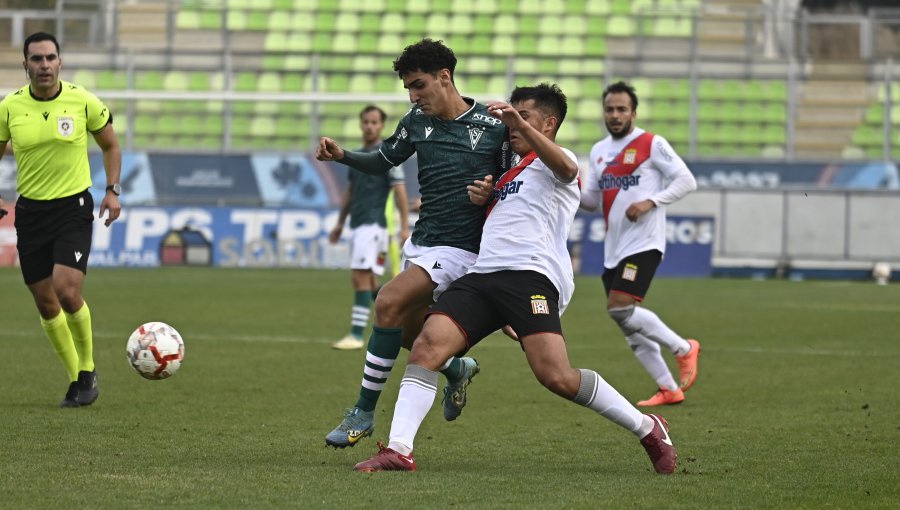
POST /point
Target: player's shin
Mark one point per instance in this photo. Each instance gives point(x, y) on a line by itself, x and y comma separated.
point(597, 394)
point(80, 326)
point(384, 346)
point(417, 391)
point(58, 332)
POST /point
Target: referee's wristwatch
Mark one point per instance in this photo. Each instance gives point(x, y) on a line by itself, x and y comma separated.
point(115, 188)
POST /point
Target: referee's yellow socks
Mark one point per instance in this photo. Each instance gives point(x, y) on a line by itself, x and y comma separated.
point(58, 332)
point(83, 337)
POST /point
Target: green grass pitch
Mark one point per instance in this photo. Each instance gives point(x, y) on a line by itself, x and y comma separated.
point(796, 405)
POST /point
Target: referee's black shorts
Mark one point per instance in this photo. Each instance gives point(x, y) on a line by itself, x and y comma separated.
point(53, 232)
point(481, 303)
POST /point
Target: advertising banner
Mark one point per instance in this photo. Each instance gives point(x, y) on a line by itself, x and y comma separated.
point(688, 251)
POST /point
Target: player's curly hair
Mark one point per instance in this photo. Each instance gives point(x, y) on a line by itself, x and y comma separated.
point(620, 87)
point(427, 56)
point(548, 98)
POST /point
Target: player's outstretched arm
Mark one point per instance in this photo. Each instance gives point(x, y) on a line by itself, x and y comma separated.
point(367, 162)
point(550, 153)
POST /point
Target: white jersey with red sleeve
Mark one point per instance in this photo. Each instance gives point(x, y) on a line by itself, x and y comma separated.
point(631, 169)
point(528, 224)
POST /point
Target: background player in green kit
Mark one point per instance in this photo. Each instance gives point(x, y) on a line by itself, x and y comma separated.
point(456, 142)
point(48, 121)
point(364, 201)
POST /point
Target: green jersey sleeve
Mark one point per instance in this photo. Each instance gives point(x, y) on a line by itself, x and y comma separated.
point(399, 147)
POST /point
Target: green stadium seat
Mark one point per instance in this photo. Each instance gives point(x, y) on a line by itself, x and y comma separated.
point(415, 23)
point(395, 5)
point(344, 42)
point(149, 80)
point(895, 92)
point(170, 125)
point(176, 81)
point(620, 7)
point(437, 23)
point(211, 20)
point(85, 78)
point(483, 24)
point(212, 125)
point(390, 43)
point(595, 46)
point(262, 127)
point(236, 20)
point(244, 82)
point(530, 7)
point(269, 82)
point(295, 62)
point(442, 6)
point(576, 7)
point(503, 45)
point(292, 82)
point(622, 26)
point(418, 6)
point(187, 20)
point(348, 21)
point(526, 45)
point(393, 23)
point(484, 6)
point(587, 109)
point(506, 24)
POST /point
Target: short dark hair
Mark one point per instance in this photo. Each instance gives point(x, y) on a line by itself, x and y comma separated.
point(428, 56)
point(549, 98)
point(373, 108)
point(38, 37)
point(620, 87)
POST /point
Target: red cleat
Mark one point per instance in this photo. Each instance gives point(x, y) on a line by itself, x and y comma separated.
point(387, 460)
point(659, 446)
point(687, 365)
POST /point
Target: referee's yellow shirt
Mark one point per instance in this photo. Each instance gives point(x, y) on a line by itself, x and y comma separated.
point(49, 138)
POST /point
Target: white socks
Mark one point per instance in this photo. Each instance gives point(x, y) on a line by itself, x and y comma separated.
point(652, 327)
point(417, 391)
point(648, 354)
point(596, 394)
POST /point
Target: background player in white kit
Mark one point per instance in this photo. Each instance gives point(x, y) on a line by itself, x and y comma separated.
point(627, 175)
point(522, 278)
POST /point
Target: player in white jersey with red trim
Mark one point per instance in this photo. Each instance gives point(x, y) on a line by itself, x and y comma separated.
point(634, 174)
point(522, 278)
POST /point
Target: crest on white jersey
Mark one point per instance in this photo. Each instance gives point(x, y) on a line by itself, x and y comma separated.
point(428, 131)
point(475, 135)
point(630, 156)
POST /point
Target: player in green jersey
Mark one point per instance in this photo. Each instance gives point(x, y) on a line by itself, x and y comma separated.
point(48, 121)
point(364, 201)
point(456, 142)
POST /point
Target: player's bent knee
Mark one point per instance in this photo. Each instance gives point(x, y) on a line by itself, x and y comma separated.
point(621, 314)
point(561, 382)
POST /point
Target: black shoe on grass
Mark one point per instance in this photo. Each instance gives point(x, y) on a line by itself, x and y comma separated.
point(71, 394)
point(87, 388)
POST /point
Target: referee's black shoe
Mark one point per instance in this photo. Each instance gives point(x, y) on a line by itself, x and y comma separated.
point(87, 388)
point(71, 394)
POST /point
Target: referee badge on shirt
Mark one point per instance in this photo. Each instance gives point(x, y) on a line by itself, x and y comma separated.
point(630, 272)
point(65, 126)
point(539, 305)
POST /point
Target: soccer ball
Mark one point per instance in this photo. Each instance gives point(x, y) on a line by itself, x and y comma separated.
point(155, 350)
point(881, 272)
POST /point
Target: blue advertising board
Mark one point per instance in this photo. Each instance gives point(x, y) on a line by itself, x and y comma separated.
point(688, 245)
point(287, 237)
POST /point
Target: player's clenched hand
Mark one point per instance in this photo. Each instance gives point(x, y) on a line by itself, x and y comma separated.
point(335, 235)
point(329, 150)
point(480, 191)
point(637, 209)
point(110, 203)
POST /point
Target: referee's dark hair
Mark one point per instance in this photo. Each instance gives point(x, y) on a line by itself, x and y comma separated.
point(38, 37)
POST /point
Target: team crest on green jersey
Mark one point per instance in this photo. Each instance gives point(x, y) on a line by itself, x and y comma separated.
point(475, 133)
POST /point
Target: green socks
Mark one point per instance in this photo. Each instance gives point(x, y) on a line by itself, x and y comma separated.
point(383, 349)
point(80, 327)
point(57, 331)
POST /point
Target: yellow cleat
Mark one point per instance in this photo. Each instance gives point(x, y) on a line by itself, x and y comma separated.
point(349, 343)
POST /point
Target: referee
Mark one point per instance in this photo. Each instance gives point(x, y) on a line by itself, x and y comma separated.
point(48, 121)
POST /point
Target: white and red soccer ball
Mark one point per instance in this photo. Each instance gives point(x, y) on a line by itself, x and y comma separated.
point(155, 350)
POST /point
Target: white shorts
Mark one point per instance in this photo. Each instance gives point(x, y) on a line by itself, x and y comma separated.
point(444, 264)
point(368, 248)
